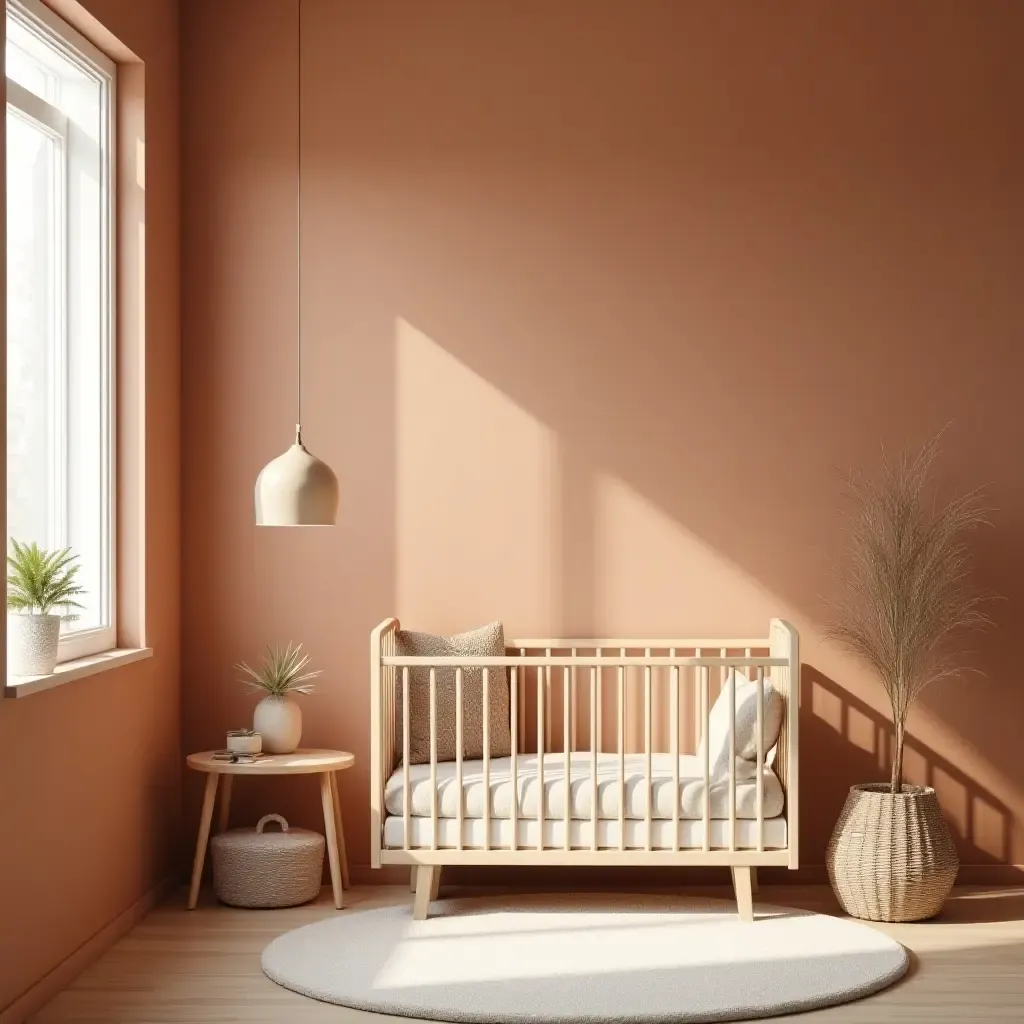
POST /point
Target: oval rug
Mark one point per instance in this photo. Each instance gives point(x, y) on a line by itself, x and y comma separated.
point(584, 958)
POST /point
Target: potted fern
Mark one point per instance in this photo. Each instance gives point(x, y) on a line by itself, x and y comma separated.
point(42, 590)
point(905, 606)
point(279, 674)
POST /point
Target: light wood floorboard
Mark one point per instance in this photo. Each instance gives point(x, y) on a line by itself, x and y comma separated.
point(204, 967)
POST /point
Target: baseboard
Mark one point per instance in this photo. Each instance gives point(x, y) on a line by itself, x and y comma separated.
point(598, 877)
point(363, 874)
point(990, 874)
point(35, 998)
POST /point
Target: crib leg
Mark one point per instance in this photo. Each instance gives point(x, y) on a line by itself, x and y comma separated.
point(428, 876)
point(412, 880)
point(435, 885)
point(753, 880)
point(742, 882)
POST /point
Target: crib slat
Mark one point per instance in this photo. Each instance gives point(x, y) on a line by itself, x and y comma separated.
point(548, 717)
point(394, 685)
point(705, 681)
point(433, 759)
point(647, 755)
point(540, 758)
point(622, 753)
point(698, 699)
point(487, 762)
point(760, 760)
point(458, 749)
point(600, 685)
point(566, 755)
point(389, 714)
point(392, 679)
point(513, 737)
point(406, 801)
point(522, 722)
point(389, 641)
point(575, 730)
point(675, 683)
point(593, 758)
point(732, 754)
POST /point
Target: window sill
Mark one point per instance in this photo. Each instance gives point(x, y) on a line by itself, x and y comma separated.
point(68, 671)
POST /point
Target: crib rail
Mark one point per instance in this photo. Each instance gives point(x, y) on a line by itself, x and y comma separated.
point(597, 697)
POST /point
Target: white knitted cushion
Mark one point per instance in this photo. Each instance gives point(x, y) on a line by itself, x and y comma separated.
point(746, 725)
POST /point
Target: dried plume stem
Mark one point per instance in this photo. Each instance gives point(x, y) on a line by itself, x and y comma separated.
point(906, 598)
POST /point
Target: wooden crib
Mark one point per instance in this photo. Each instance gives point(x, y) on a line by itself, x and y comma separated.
point(621, 720)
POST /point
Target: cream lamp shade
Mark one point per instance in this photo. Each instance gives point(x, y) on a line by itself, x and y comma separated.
point(296, 489)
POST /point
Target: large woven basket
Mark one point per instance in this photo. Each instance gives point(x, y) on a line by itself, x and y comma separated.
point(254, 868)
point(891, 857)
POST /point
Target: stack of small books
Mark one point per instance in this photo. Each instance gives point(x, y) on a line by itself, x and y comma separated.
point(235, 757)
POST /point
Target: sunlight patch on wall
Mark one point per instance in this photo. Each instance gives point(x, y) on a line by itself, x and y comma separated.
point(827, 706)
point(860, 730)
point(988, 828)
point(915, 767)
point(952, 796)
point(474, 483)
point(654, 575)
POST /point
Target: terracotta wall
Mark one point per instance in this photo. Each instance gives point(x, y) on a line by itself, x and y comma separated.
point(90, 772)
point(597, 298)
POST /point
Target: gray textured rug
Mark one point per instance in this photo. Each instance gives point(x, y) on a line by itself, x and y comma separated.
point(584, 958)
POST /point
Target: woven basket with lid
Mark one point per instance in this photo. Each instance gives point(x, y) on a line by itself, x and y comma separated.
point(891, 857)
point(257, 868)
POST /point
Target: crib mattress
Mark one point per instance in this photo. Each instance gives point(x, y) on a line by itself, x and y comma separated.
point(691, 834)
point(690, 796)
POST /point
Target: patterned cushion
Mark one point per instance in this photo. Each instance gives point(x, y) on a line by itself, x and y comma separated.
point(487, 641)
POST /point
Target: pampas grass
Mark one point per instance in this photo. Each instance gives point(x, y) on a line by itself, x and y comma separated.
point(906, 598)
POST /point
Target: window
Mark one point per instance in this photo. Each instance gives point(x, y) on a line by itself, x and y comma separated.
point(60, 342)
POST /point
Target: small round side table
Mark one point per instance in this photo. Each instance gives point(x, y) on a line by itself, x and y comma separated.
point(324, 763)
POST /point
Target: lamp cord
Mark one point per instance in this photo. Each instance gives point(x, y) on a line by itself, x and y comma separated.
point(298, 239)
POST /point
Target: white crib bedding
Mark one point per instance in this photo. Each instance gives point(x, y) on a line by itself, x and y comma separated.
point(691, 834)
point(691, 792)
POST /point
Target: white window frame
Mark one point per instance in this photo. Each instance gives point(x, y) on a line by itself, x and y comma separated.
point(56, 33)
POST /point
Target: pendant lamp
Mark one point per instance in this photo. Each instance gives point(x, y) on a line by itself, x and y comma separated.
point(296, 488)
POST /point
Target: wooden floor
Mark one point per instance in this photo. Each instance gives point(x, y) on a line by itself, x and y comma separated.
point(204, 966)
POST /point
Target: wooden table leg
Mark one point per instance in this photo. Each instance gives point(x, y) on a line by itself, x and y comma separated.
point(225, 803)
point(209, 796)
point(332, 837)
point(340, 828)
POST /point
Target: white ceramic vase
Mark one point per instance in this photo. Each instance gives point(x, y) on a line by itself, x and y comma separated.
point(32, 644)
point(279, 721)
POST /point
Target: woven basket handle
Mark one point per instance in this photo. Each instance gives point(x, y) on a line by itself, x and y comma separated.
point(268, 818)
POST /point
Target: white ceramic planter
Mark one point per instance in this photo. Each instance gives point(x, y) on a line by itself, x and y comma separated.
point(245, 744)
point(32, 644)
point(279, 721)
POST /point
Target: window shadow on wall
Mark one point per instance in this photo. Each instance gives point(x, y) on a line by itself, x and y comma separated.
point(844, 739)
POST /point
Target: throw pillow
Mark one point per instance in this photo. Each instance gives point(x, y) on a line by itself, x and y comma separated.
point(746, 725)
point(487, 641)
